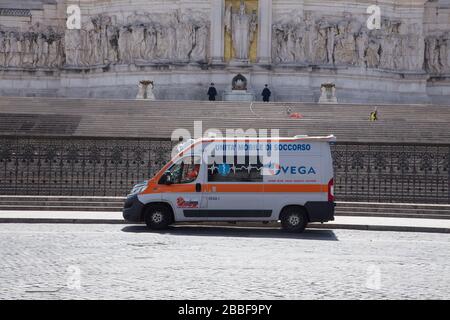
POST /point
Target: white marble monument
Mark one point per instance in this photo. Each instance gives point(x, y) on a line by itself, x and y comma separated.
point(297, 46)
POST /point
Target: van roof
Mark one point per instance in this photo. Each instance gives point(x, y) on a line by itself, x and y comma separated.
point(328, 138)
point(188, 143)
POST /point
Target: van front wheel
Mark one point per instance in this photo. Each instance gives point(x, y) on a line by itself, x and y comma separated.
point(158, 217)
point(294, 219)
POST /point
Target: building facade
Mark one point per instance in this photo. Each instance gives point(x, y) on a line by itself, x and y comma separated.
point(292, 45)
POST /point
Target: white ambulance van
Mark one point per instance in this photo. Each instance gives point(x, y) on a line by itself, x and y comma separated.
point(229, 180)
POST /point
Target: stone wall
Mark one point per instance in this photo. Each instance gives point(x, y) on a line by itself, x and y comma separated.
point(175, 43)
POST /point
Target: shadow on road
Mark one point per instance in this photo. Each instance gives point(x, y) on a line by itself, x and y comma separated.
point(213, 231)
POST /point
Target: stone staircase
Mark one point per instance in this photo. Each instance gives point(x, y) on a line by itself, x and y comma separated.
point(102, 204)
point(157, 119)
point(398, 210)
point(61, 203)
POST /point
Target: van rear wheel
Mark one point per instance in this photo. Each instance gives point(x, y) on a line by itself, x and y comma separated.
point(158, 217)
point(294, 219)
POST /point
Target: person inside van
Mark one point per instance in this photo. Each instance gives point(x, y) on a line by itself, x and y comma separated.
point(193, 173)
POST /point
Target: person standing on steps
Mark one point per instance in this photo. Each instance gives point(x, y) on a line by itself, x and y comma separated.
point(374, 115)
point(212, 92)
point(266, 93)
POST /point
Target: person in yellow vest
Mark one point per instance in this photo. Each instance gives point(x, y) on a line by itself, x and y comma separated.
point(374, 115)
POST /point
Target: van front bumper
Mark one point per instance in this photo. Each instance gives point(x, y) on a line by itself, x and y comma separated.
point(132, 209)
point(320, 211)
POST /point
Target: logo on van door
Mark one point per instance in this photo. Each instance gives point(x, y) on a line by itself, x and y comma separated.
point(181, 203)
point(275, 169)
point(224, 169)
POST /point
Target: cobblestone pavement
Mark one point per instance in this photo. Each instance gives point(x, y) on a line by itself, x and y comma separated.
point(66, 261)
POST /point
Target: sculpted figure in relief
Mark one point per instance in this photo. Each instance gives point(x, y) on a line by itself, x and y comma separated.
point(201, 42)
point(372, 54)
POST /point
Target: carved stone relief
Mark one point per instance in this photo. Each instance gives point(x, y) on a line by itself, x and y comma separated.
point(305, 39)
point(176, 37)
point(38, 47)
point(301, 38)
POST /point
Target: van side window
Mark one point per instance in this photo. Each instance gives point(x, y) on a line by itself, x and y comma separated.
point(185, 170)
point(235, 172)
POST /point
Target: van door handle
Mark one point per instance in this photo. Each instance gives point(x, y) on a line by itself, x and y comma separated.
point(198, 187)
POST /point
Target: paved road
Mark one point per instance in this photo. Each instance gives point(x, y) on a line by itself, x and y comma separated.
point(68, 261)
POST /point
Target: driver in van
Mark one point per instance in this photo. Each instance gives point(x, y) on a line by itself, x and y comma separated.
point(192, 175)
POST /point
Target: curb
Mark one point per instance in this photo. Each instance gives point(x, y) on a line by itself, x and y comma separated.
point(262, 226)
point(61, 220)
point(380, 228)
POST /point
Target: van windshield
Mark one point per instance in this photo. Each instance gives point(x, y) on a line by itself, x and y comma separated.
point(185, 170)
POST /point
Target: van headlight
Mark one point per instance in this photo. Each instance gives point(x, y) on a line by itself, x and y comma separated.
point(138, 188)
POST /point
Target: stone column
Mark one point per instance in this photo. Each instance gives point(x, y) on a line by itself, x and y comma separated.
point(265, 31)
point(217, 31)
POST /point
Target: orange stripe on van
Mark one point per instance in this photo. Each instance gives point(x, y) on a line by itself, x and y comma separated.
point(162, 188)
point(241, 188)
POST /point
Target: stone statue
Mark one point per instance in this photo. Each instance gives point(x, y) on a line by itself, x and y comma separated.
point(443, 53)
point(432, 54)
point(417, 45)
point(331, 38)
point(124, 44)
point(362, 41)
point(150, 43)
point(310, 36)
point(167, 40)
point(372, 55)
point(28, 58)
point(320, 43)
point(300, 44)
point(2, 49)
point(137, 42)
point(290, 44)
point(141, 91)
point(185, 38)
point(345, 51)
point(53, 53)
point(145, 90)
point(162, 47)
point(14, 50)
point(328, 93)
point(387, 55)
point(200, 43)
point(149, 93)
point(445, 57)
point(242, 27)
point(73, 47)
point(399, 54)
point(112, 35)
point(279, 49)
